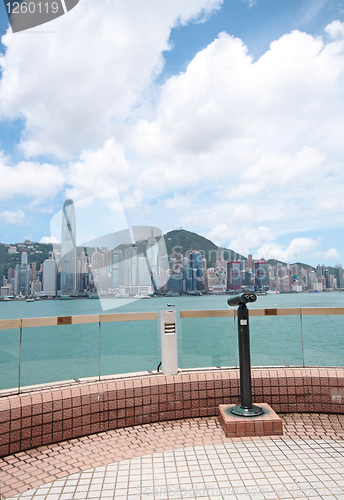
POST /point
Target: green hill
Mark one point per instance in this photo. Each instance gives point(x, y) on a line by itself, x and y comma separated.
point(274, 262)
point(37, 252)
point(182, 241)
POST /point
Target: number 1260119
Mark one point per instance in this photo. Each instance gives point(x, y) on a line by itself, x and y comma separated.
point(32, 8)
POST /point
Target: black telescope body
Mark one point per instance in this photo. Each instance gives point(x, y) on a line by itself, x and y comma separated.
point(244, 298)
point(245, 409)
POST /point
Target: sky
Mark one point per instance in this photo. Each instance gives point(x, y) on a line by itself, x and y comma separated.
point(221, 117)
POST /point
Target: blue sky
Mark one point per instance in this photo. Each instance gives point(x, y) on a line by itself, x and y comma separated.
point(221, 117)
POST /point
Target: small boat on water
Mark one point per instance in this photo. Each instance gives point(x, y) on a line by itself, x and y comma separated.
point(30, 299)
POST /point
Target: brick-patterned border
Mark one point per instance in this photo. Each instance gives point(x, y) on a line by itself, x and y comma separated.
point(49, 415)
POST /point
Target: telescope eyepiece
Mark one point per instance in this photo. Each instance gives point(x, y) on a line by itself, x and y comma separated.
point(241, 299)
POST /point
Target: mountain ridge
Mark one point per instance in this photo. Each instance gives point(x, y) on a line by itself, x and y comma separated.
point(187, 241)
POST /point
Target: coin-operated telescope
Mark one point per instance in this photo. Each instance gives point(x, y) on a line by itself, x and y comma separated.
point(245, 409)
point(244, 298)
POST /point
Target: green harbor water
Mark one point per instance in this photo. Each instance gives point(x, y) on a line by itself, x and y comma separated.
point(56, 353)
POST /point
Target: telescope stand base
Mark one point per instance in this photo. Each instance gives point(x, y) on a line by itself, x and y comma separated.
point(266, 424)
point(254, 411)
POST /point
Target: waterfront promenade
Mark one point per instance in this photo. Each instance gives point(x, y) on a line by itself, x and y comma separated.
point(187, 458)
point(156, 436)
point(147, 435)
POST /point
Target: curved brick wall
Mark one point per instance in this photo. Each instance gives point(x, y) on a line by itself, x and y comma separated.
point(48, 415)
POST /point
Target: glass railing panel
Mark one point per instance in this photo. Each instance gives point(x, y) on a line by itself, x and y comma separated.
point(323, 340)
point(206, 342)
point(54, 353)
point(129, 346)
point(275, 341)
point(9, 358)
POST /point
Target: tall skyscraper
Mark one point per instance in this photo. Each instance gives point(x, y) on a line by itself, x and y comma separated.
point(22, 280)
point(2, 264)
point(68, 249)
point(233, 275)
point(338, 272)
point(49, 277)
point(249, 262)
point(130, 266)
point(152, 252)
point(262, 275)
point(117, 268)
point(197, 271)
point(24, 258)
point(34, 271)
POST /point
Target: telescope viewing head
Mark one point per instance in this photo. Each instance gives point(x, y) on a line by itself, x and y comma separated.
point(242, 299)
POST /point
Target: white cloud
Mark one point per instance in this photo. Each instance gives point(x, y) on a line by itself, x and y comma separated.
point(335, 30)
point(12, 217)
point(73, 84)
point(49, 239)
point(329, 254)
point(221, 234)
point(299, 249)
point(248, 238)
point(261, 243)
point(264, 138)
point(97, 171)
point(30, 179)
point(178, 202)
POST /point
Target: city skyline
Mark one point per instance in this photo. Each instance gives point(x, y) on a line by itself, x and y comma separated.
point(226, 251)
point(221, 116)
point(144, 268)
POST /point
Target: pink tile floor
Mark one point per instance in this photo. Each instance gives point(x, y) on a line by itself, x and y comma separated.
point(32, 474)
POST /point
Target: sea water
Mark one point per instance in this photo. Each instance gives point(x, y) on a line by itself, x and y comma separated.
point(54, 353)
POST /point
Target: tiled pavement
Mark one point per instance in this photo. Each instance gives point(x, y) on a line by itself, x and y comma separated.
point(189, 458)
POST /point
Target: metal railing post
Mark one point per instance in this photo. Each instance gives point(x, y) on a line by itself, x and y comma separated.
point(235, 346)
point(302, 342)
point(99, 349)
point(20, 350)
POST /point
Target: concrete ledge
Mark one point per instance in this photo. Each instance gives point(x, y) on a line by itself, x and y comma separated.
point(49, 415)
point(268, 424)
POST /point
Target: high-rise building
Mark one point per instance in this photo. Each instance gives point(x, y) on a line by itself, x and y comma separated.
point(233, 275)
point(22, 280)
point(2, 264)
point(24, 258)
point(197, 271)
point(245, 278)
point(117, 268)
point(249, 262)
point(152, 252)
point(210, 280)
point(321, 270)
point(338, 272)
point(261, 269)
point(11, 274)
point(187, 277)
point(144, 274)
point(130, 266)
point(33, 271)
point(164, 272)
point(68, 249)
point(49, 277)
